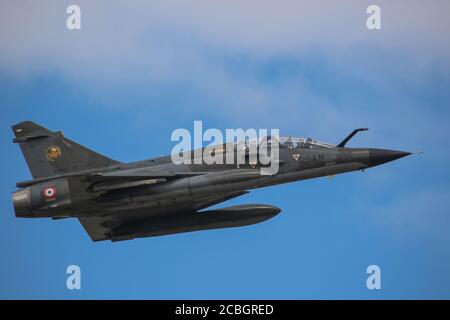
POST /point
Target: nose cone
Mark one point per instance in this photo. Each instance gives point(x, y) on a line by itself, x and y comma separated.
point(380, 156)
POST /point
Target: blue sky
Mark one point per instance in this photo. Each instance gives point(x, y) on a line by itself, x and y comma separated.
point(137, 71)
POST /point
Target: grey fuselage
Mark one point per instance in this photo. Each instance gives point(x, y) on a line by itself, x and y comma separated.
point(202, 180)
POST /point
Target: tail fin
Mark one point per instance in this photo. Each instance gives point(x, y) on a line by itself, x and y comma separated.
point(50, 153)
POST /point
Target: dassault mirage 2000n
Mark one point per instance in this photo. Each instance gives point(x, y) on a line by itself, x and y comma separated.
point(121, 201)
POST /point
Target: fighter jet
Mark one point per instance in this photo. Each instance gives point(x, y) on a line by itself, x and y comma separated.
point(122, 201)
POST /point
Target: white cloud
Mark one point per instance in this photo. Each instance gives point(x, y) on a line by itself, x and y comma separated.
point(148, 45)
point(118, 36)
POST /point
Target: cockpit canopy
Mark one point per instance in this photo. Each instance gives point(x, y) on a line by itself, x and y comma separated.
point(303, 143)
point(294, 142)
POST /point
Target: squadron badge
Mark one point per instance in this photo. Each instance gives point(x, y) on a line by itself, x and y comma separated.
point(53, 152)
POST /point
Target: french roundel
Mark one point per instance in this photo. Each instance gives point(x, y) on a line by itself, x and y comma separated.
point(49, 193)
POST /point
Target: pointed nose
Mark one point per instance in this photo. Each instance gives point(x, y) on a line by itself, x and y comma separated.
point(380, 156)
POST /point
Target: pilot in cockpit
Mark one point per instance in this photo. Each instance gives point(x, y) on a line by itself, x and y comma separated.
point(288, 144)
